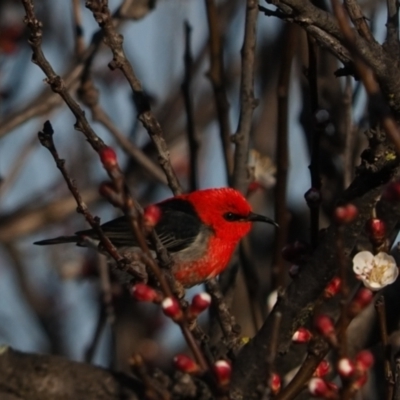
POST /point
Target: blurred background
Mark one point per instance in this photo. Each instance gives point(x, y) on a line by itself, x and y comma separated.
point(51, 298)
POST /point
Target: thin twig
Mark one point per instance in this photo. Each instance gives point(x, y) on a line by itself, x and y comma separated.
point(318, 131)
point(359, 21)
point(90, 97)
point(114, 41)
point(153, 392)
point(381, 311)
point(216, 75)
point(392, 24)
point(248, 103)
point(282, 157)
point(378, 103)
point(193, 138)
point(348, 134)
point(46, 140)
point(78, 27)
point(396, 395)
point(225, 318)
point(344, 293)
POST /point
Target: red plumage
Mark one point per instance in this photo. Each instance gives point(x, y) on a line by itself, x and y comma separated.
point(200, 230)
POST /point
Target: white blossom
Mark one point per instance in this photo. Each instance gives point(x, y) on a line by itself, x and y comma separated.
point(377, 271)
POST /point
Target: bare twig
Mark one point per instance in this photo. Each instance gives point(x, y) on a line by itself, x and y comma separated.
point(193, 138)
point(225, 318)
point(356, 15)
point(377, 102)
point(282, 157)
point(102, 15)
point(348, 134)
point(392, 24)
point(248, 102)
point(381, 311)
point(89, 96)
point(396, 395)
point(217, 78)
point(46, 140)
point(78, 27)
point(312, 75)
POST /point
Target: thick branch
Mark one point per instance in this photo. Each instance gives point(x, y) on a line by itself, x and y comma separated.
point(44, 377)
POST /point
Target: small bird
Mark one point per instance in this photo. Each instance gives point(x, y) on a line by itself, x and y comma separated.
point(200, 230)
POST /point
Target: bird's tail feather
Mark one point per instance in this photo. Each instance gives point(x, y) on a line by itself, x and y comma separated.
point(58, 240)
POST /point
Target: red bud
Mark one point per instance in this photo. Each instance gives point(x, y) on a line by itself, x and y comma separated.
point(275, 384)
point(318, 387)
point(345, 214)
point(108, 157)
point(392, 192)
point(376, 230)
point(345, 367)
point(361, 300)
point(322, 369)
point(185, 364)
point(142, 292)
point(364, 360)
point(151, 216)
point(313, 197)
point(325, 327)
point(302, 335)
point(200, 302)
point(333, 287)
point(171, 308)
point(223, 371)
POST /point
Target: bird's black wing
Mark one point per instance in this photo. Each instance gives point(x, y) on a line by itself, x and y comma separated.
point(178, 227)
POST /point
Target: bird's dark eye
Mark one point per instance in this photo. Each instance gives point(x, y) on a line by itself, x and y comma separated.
point(229, 216)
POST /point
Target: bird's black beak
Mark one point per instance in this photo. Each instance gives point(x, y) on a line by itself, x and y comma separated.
point(252, 217)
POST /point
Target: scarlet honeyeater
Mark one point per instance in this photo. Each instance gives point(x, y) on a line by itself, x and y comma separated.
point(200, 230)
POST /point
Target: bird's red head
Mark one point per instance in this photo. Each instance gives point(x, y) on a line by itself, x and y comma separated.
point(225, 210)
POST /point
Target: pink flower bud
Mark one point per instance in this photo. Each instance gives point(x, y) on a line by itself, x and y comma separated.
point(142, 292)
point(324, 325)
point(108, 157)
point(200, 302)
point(302, 335)
point(392, 192)
point(345, 367)
point(364, 360)
point(313, 197)
point(322, 369)
point(318, 387)
point(275, 384)
point(185, 364)
point(345, 214)
point(223, 371)
point(171, 308)
point(361, 300)
point(151, 216)
point(333, 287)
point(376, 230)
